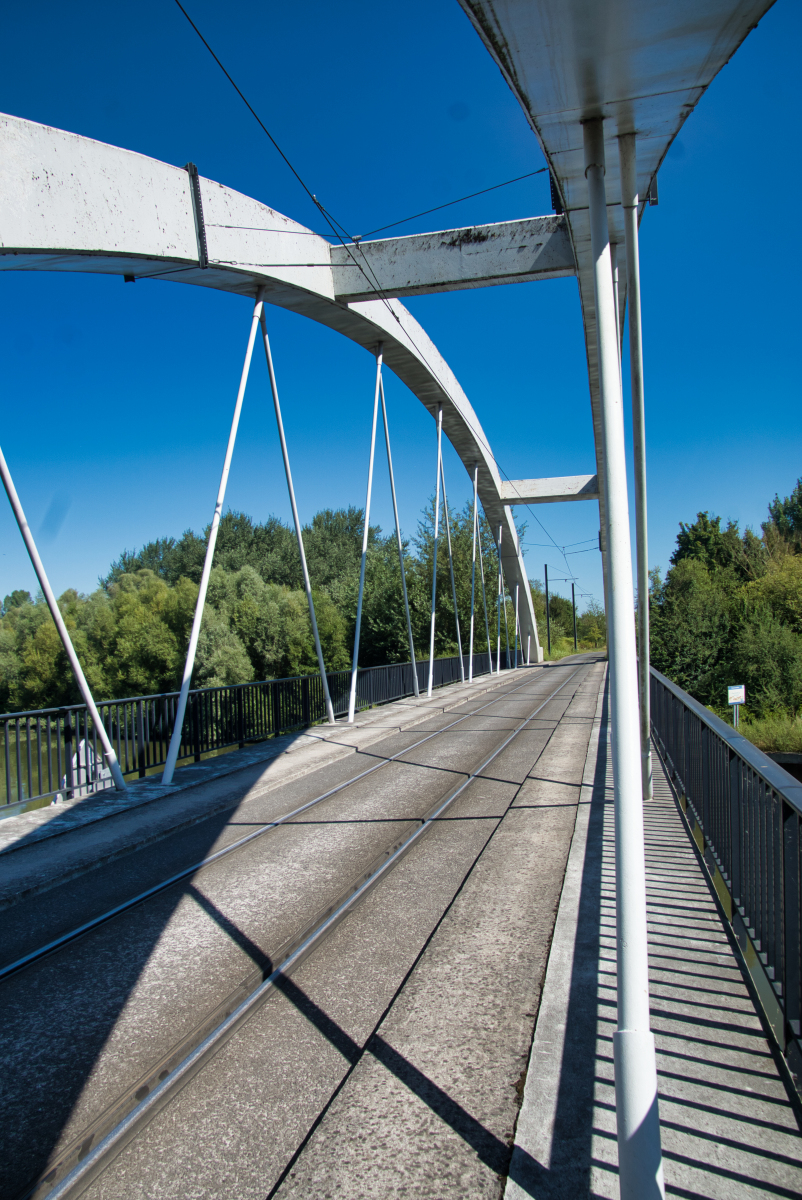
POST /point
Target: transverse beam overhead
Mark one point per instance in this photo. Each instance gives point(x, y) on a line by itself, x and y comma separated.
point(454, 259)
point(550, 491)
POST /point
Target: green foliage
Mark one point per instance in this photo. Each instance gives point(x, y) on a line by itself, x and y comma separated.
point(780, 732)
point(730, 611)
point(784, 525)
point(132, 633)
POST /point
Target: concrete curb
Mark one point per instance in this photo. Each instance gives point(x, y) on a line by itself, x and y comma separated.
point(535, 1126)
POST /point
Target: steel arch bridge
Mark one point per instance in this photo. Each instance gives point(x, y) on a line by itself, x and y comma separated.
point(606, 86)
point(73, 204)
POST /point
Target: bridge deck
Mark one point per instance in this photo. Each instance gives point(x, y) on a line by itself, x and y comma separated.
point(392, 1061)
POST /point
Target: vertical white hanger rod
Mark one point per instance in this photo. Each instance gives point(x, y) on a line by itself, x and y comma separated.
point(365, 535)
point(181, 707)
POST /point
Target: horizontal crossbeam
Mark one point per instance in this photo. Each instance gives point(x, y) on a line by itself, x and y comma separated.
point(550, 491)
point(454, 259)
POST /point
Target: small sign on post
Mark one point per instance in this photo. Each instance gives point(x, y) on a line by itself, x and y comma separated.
point(736, 696)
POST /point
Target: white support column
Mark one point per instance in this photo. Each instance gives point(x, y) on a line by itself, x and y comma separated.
point(297, 520)
point(629, 203)
point(451, 569)
point(484, 605)
point(66, 641)
point(639, 1152)
point(473, 563)
point(175, 740)
point(498, 606)
point(365, 534)
point(434, 555)
point(400, 544)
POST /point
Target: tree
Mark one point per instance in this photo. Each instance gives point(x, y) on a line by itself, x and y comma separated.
point(730, 611)
point(784, 526)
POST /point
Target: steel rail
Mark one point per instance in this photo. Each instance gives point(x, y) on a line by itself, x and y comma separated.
point(95, 1162)
point(72, 935)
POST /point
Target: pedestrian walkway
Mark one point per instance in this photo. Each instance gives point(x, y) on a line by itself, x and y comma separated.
point(728, 1127)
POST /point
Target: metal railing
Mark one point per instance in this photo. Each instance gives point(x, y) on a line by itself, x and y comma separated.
point(744, 813)
point(54, 753)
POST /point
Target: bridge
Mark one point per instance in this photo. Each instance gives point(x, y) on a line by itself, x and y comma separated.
point(449, 927)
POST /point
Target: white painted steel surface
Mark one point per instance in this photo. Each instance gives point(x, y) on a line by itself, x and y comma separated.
point(473, 573)
point(629, 205)
point(643, 66)
point(399, 543)
point(550, 491)
point(430, 681)
point(639, 1154)
point(365, 536)
point(447, 522)
point(68, 203)
point(285, 454)
point(454, 259)
point(55, 612)
point(189, 664)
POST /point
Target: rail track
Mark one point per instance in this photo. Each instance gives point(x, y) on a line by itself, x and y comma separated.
point(78, 1163)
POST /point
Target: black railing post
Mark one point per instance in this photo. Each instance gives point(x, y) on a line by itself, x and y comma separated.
point(305, 709)
point(792, 951)
point(276, 708)
point(705, 798)
point(196, 727)
point(734, 771)
point(240, 718)
point(68, 773)
point(140, 741)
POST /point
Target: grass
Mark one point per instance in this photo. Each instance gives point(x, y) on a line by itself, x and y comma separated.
point(562, 647)
point(775, 733)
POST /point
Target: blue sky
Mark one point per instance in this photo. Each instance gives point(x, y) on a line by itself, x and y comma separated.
point(116, 399)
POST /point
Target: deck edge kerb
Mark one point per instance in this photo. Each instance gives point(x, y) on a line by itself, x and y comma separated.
point(536, 1116)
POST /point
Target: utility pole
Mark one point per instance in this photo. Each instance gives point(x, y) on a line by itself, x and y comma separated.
point(548, 618)
point(573, 604)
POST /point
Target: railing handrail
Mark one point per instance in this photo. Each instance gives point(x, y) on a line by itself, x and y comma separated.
point(758, 760)
point(80, 706)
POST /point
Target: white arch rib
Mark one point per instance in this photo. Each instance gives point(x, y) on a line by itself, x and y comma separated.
point(68, 203)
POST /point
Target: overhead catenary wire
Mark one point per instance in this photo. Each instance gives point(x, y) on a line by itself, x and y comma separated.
point(426, 212)
point(449, 203)
point(347, 241)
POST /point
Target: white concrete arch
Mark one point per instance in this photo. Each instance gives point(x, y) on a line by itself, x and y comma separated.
point(69, 203)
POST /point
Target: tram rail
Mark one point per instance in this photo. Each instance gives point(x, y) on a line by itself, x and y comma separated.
point(80, 1162)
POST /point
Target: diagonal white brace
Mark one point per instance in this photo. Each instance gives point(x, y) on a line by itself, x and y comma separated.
point(365, 535)
point(297, 520)
point(434, 554)
point(451, 569)
point(484, 604)
point(181, 707)
point(473, 564)
point(55, 612)
point(415, 685)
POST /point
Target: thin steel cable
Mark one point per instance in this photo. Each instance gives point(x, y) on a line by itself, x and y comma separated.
point(335, 226)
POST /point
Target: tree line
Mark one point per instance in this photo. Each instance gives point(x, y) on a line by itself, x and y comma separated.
point(729, 611)
point(131, 634)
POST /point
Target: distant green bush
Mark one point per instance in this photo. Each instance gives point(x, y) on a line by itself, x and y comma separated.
point(730, 612)
point(775, 733)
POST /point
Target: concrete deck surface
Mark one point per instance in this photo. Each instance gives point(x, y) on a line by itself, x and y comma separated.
point(86, 1025)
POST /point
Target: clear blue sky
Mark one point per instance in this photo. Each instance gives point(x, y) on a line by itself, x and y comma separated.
point(116, 399)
